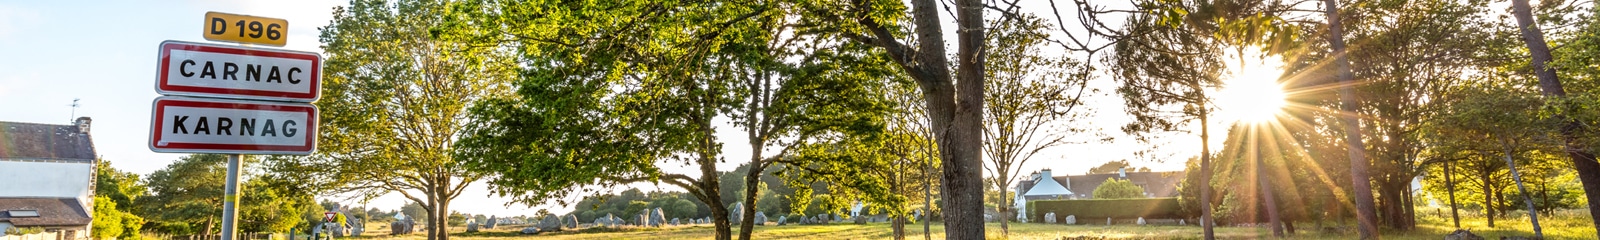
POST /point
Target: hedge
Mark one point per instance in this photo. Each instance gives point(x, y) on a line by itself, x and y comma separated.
point(1151, 208)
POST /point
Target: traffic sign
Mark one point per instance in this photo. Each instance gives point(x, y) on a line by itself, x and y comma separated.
point(211, 70)
point(246, 29)
point(202, 125)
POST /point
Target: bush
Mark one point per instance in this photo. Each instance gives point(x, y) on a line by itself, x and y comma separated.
point(1114, 188)
point(1104, 208)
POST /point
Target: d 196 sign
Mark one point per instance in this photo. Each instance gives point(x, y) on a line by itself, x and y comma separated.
point(202, 125)
point(246, 29)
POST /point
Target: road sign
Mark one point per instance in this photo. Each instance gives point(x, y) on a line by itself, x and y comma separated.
point(202, 125)
point(246, 29)
point(211, 70)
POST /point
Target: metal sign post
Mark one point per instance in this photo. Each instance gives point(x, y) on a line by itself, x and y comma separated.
point(230, 198)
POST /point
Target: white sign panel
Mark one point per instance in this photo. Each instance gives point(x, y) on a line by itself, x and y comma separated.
point(200, 125)
point(210, 70)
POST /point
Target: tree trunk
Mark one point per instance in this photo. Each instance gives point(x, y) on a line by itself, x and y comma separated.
point(1533, 214)
point(1582, 159)
point(752, 182)
point(1488, 196)
point(927, 200)
point(1266, 190)
point(963, 176)
point(899, 225)
point(1005, 216)
point(1450, 187)
point(1360, 183)
point(1206, 221)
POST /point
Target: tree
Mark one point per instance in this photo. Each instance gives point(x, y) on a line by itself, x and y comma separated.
point(1114, 188)
point(1365, 212)
point(954, 102)
point(715, 60)
point(395, 104)
point(1031, 103)
point(113, 223)
point(184, 197)
point(1115, 167)
point(1550, 83)
point(115, 217)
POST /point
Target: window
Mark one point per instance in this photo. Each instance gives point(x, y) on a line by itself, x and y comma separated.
point(23, 213)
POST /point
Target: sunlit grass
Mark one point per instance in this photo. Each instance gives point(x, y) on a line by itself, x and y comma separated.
point(1567, 224)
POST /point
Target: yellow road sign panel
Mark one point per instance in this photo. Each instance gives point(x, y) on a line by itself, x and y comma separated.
point(246, 29)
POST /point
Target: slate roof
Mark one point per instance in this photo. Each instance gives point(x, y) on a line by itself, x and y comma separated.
point(33, 141)
point(52, 212)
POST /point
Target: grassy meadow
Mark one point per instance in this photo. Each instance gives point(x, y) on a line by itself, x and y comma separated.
point(1569, 224)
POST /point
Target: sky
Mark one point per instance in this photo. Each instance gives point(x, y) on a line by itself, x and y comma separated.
point(103, 54)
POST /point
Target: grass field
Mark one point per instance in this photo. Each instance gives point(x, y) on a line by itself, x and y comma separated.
point(1572, 224)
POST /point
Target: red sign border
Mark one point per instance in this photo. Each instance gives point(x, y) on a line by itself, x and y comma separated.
point(157, 121)
point(163, 64)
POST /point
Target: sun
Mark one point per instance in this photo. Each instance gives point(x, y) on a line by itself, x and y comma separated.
point(1252, 94)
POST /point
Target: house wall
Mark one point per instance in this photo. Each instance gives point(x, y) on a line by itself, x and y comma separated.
point(45, 179)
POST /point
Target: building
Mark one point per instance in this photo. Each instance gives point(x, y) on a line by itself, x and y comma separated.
point(1044, 185)
point(47, 177)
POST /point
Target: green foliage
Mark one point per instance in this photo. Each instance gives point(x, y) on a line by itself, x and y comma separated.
point(634, 201)
point(186, 198)
point(1114, 188)
point(112, 223)
point(1103, 208)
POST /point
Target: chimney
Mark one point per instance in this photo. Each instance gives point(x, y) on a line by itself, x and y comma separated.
point(1046, 173)
point(83, 125)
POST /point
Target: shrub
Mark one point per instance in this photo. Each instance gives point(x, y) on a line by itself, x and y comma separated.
point(1103, 208)
point(1114, 188)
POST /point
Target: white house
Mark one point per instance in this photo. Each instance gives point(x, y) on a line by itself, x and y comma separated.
point(47, 177)
point(1043, 185)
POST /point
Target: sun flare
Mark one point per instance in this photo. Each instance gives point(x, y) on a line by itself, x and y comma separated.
point(1252, 94)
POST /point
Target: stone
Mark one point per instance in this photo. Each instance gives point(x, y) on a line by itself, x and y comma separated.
point(1141, 221)
point(550, 224)
point(1070, 220)
point(530, 230)
point(472, 226)
point(822, 218)
point(783, 220)
point(357, 228)
point(657, 218)
point(837, 219)
point(1050, 217)
point(1180, 222)
point(760, 219)
point(492, 222)
point(861, 219)
point(675, 221)
point(1108, 221)
point(1462, 234)
point(737, 213)
point(572, 221)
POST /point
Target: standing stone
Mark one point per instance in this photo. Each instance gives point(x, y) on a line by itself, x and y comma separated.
point(737, 213)
point(675, 221)
point(837, 219)
point(530, 230)
point(357, 228)
point(572, 221)
point(1180, 222)
point(1141, 221)
point(1050, 217)
point(550, 224)
point(657, 218)
point(472, 226)
point(1108, 221)
point(492, 222)
point(861, 219)
point(783, 220)
point(760, 219)
point(1071, 220)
